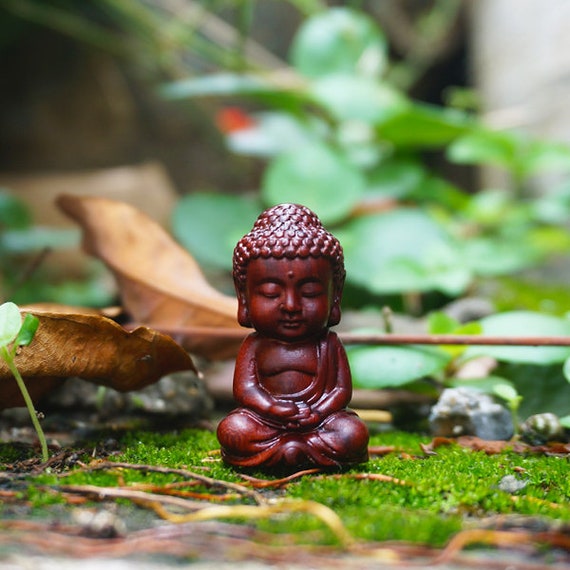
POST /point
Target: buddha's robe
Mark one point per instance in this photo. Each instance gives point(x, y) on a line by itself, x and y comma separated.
point(258, 438)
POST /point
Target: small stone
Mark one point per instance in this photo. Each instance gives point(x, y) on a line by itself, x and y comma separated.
point(99, 523)
point(510, 484)
point(542, 428)
point(465, 411)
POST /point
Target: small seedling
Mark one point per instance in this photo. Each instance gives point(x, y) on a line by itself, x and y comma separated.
point(16, 332)
point(512, 399)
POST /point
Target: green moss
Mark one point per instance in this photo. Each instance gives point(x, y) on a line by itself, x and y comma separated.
point(430, 498)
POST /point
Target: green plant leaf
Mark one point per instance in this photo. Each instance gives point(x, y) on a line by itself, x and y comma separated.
point(216, 84)
point(316, 176)
point(10, 323)
point(339, 40)
point(435, 190)
point(542, 386)
point(506, 392)
point(521, 324)
point(272, 134)
point(441, 323)
point(547, 156)
point(553, 207)
point(513, 151)
point(424, 126)
point(13, 213)
point(402, 250)
point(491, 256)
point(350, 98)
point(488, 384)
point(28, 330)
point(566, 369)
point(490, 207)
point(234, 85)
point(484, 147)
point(37, 237)
point(209, 225)
point(565, 421)
point(395, 179)
point(393, 366)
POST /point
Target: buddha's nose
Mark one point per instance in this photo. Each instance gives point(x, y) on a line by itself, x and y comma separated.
point(291, 302)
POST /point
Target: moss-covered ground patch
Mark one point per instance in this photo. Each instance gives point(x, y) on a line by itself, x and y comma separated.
point(405, 495)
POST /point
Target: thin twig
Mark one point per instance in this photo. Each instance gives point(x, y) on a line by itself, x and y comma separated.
point(177, 490)
point(380, 339)
point(322, 512)
point(241, 489)
point(102, 493)
point(266, 483)
point(370, 477)
point(455, 339)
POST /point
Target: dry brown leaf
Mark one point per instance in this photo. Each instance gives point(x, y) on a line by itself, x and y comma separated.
point(161, 285)
point(94, 348)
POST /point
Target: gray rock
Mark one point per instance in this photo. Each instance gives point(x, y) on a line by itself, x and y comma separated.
point(465, 411)
point(542, 428)
point(510, 484)
point(179, 393)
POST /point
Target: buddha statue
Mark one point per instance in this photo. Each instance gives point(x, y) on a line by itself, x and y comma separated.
point(292, 380)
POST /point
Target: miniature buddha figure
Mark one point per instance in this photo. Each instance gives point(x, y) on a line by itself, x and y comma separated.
point(292, 380)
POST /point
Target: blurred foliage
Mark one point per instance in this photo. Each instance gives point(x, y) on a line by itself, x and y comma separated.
point(23, 247)
point(339, 133)
point(352, 147)
point(345, 141)
point(161, 37)
point(538, 376)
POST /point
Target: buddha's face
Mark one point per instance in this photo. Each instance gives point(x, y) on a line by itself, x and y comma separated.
point(289, 299)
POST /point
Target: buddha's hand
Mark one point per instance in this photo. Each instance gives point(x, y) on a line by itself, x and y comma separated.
point(305, 416)
point(283, 409)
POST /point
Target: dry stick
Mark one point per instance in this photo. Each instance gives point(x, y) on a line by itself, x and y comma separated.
point(253, 512)
point(102, 493)
point(177, 490)
point(265, 483)
point(382, 339)
point(200, 513)
point(242, 490)
point(498, 538)
point(458, 339)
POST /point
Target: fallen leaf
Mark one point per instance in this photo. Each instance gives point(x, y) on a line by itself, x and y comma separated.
point(493, 447)
point(94, 348)
point(160, 283)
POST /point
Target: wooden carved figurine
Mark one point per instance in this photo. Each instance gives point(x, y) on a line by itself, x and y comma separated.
point(292, 380)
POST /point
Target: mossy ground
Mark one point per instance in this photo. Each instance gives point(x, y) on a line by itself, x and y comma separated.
point(431, 498)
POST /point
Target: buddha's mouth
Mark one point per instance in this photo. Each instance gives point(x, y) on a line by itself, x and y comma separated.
point(291, 324)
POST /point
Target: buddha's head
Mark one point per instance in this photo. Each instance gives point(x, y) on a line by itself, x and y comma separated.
point(289, 232)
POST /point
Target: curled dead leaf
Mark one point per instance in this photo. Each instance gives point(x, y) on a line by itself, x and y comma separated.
point(94, 348)
point(160, 283)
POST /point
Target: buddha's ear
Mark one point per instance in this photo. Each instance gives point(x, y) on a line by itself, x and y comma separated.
point(243, 314)
point(334, 315)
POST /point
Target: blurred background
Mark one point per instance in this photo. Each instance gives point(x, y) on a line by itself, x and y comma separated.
point(455, 109)
point(430, 136)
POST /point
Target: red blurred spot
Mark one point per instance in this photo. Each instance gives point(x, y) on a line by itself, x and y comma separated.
point(232, 119)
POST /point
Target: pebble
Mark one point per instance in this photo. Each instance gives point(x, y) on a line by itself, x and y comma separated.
point(542, 428)
point(466, 411)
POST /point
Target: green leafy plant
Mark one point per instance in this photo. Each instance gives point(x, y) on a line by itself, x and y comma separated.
point(344, 139)
point(16, 332)
point(529, 379)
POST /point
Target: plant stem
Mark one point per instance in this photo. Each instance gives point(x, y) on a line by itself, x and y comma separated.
point(28, 400)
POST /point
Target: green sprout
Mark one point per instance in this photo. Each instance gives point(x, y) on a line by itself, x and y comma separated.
point(512, 399)
point(16, 332)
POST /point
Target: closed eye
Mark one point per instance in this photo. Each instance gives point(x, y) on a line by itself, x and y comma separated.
point(312, 289)
point(269, 290)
